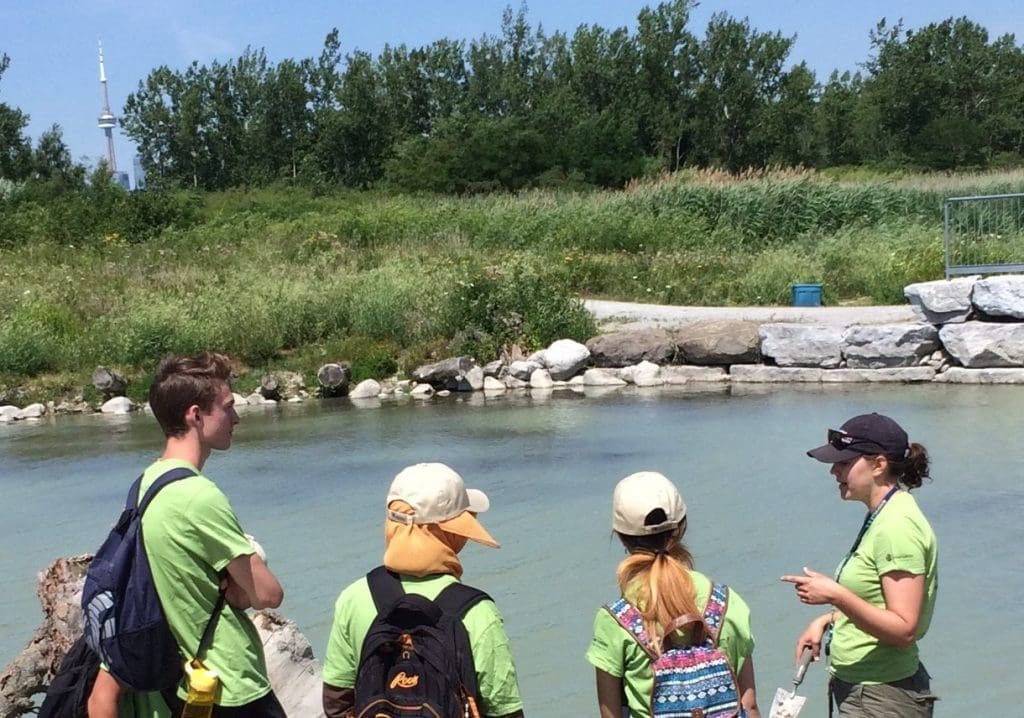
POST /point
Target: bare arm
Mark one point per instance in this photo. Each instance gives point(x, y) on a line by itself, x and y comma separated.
point(748, 692)
point(609, 695)
point(812, 635)
point(895, 624)
point(338, 702)
point(103, 697)
point(252, 583)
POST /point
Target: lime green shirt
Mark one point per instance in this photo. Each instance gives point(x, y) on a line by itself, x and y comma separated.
point(899, 539)
point(142, 705)
point(191, 534)
point(614, 651)
point(354, 611)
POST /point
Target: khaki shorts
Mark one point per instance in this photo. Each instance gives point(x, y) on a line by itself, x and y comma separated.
point(908, 698)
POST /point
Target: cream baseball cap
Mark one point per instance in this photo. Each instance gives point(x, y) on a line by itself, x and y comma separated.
point(438, 495)
point(637, 495)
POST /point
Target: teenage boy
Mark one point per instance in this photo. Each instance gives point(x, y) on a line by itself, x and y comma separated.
point(196, 546)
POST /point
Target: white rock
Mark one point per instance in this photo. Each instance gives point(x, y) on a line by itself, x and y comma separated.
point(752, 373)
point(541, 379)
point(693, 374)
point(647, 374)
point(802, 345)
point(9, 412)
point(366, 389)
point(889, 345)
point(565, 358)
point(523, 369)
point(475, 378)
point(118, 405)
point(493, 385)
point(601, 377)
point(1000, 296)
point(422, 390)
point(32, 411)
point(960, 375)
point(903, 375)
point(239, 399)
point(576, 381)
point(984, 344)
point(944, 301)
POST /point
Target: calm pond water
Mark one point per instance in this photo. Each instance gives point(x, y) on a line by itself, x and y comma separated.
point(309, 481)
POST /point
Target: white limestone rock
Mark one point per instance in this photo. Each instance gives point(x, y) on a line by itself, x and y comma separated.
point(755, 374)
point(601, 377)
point(984, 344)
point(9, 412)
point(693, 374)
point(647, 374)
point(899, 375)
point(1000, 296)
point(802, 345)
point(882, 346)
point(118, 405)
point(565, 358)
point(492, 385)
point(523, 369)
point(960, 375)
point(944, 301)
point(366, 389)
point(541, 379)
point(32, 411)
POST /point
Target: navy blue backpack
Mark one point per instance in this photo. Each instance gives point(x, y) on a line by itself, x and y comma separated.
point(124, 622)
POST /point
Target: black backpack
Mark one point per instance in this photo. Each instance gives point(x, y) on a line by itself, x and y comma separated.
point(416, 659)
point(124, 621)
point(68, 692)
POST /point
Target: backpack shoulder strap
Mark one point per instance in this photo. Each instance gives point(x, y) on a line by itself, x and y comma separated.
point(457, 598)
point(385, 588)
point(714, 611)
point(632, 621)
point(165, 478)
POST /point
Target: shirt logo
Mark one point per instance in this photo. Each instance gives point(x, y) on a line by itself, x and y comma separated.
point(403, 681)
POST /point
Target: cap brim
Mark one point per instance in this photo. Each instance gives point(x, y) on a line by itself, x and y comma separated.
point(830, 455)
point(465, 524)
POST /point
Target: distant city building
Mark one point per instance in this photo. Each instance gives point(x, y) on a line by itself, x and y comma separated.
point(121, 178)
point(107, 122)
point(140, 173)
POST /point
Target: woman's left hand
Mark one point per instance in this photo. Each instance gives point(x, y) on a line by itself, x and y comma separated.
point(813, 588)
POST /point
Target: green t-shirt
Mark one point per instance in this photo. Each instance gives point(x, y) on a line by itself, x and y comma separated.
point(191, 534)
point(899, 539)
point(142, 705)
point(354, 611)
point(615, 651)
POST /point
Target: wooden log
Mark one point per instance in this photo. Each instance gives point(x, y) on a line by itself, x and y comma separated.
point(270, 387)
point(334, 379)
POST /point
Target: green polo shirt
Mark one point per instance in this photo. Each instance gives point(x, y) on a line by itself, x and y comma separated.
point(899, 539)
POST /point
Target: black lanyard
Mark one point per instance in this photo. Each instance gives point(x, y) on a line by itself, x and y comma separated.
point(864, 529)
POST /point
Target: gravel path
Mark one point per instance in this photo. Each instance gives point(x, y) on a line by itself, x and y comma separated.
point(626, 315)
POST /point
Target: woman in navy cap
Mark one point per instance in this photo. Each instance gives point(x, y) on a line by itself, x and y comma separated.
point(883, 592)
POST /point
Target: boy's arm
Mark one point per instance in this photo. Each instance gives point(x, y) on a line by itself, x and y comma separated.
point(103, 697)
point(338, 702)
point(252, 584)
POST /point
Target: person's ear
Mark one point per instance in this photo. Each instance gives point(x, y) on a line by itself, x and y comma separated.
point(193, 415)
point(879, 465)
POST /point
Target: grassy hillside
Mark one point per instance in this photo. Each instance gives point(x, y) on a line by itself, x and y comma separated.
point(283, 278)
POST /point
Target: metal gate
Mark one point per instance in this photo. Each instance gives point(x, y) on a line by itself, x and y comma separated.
point(984, 234)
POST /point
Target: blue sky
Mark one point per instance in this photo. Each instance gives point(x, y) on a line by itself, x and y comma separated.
point(52, 43)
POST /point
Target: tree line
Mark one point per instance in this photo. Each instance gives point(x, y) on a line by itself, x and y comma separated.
point(596, 107)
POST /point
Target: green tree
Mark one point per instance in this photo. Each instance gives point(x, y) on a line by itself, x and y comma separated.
point(15, 147)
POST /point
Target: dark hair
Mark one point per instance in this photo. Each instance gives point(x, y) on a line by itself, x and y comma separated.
point(912, 470)
point(182, 381)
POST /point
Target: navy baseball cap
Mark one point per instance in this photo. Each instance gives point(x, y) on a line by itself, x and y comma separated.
point(864, 435)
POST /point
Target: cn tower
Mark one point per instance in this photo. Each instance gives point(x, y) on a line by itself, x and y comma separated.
point(107, 121)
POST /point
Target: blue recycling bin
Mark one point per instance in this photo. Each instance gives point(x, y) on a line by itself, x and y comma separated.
point(806, 295)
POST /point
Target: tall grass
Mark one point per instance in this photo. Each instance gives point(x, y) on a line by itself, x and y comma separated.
point(384, 281)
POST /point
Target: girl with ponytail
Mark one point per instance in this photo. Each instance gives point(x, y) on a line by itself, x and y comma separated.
point(882, 595)
point(658, 579)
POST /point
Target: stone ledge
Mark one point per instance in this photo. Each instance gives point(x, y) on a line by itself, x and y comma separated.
point(960, 375)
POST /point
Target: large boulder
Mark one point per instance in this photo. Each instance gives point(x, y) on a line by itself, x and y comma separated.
point(802, 345)
point(984, 344)
point(565, 358)
point(944, 301)
point(334, 378)
point(118, 405)
point(1000, 296)
point(718, 343)
point(883, 346)
point(366, 389)
point(619, 349)
point(522, 369)
point(108, 382)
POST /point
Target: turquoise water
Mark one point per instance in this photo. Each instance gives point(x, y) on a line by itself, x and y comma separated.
point(309, 481)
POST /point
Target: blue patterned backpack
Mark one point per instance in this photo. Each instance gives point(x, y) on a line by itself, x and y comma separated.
point(693, 681)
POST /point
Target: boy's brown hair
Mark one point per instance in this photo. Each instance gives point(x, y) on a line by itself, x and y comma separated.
point(183, 380)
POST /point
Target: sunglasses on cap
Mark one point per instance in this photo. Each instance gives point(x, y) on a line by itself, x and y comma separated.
point(841, 440)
